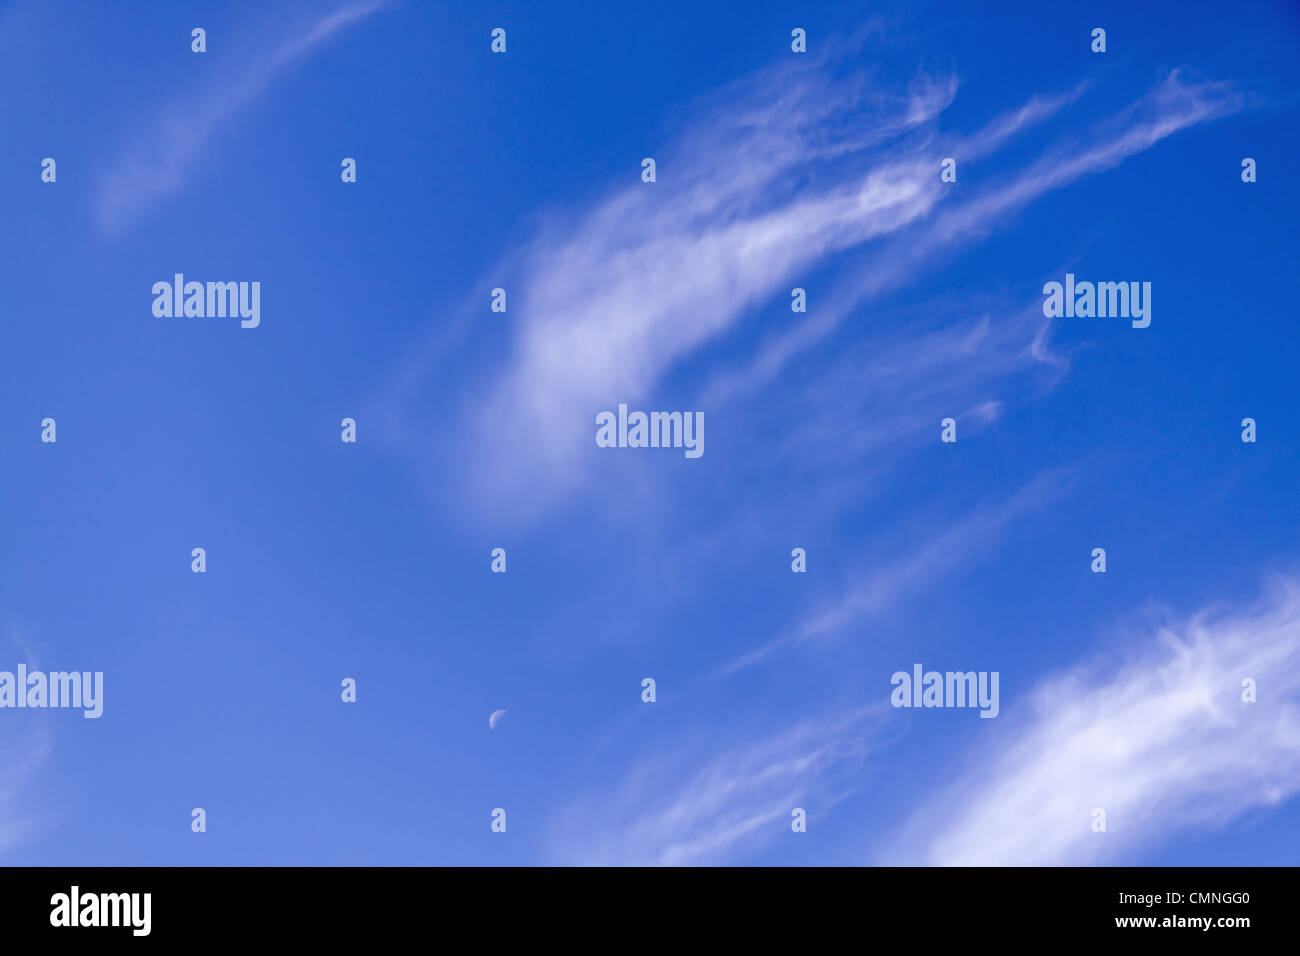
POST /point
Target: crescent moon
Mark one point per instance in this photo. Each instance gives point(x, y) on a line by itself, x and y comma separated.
point(495, 718)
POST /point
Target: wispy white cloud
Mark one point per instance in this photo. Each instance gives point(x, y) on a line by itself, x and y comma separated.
point(1162, 742)
point(1174, 104)
point(723, 803)
point(778, 176)
point(162, 154)
point(656, 271)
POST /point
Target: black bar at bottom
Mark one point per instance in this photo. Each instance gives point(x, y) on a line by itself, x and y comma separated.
point(643, 909)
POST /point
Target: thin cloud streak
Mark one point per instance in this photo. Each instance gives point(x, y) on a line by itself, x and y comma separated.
point(177, 135)
point(914, 373)
point(923, 566)
point(734, 802)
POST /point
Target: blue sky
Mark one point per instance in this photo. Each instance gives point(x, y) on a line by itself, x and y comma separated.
point(476, 431)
